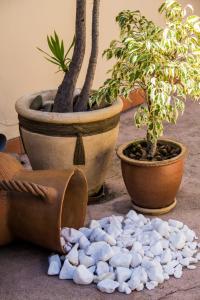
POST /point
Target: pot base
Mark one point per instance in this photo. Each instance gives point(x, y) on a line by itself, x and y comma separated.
point(154, 211)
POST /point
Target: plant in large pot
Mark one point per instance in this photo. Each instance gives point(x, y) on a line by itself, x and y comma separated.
point(58, 127)
point(165, 63)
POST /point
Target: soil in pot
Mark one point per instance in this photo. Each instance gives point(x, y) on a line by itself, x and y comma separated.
point(164, 151)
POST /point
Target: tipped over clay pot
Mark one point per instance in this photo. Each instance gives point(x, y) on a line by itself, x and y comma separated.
point(153, 185)
point(35, 205)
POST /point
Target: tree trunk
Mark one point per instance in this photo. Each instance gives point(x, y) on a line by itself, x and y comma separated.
point(151, 148)
point(64, 99)
point(82, 101)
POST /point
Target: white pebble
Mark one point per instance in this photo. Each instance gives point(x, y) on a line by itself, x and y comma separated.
point(123, 274)
point(85, 260)
point(136, 259)
point(157, 248)
point(175, 223)
point(94, 224)
point(104, 276)
point(100, 251)
point(84, 242)
point(124, 288)
point(82, 275)
point(86, 231)
point(178, 240)
point(71, 235)
point(73, 255)
point(92, 269)
point(54, 265)
point(178, 271)
point(107, 286)
point(166, 256)
point(102, 267)
point(67, 270)
point(151, 285)
point(191, 267)
point(121, 260)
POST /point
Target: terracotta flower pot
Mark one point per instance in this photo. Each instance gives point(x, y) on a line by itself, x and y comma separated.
point(35, 205)
point(153, 185)
point(62, 140)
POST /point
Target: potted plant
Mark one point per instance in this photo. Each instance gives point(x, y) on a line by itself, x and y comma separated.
point(165, 63)
point(58, 127)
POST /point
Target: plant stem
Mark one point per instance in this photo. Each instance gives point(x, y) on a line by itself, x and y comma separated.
point(82, 101)
point(65, 95)
point(151, 148)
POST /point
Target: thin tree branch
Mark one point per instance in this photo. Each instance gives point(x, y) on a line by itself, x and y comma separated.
point(82, 101)
point(64, 99)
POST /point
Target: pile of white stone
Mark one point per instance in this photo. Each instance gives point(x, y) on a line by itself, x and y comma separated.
point(126, 253)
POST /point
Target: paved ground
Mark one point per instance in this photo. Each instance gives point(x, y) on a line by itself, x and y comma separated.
point(23, 266)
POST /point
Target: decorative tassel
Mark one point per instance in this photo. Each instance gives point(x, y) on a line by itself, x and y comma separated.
point(79, 153)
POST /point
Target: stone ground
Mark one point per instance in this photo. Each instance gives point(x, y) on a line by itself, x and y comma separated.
point(23, 266)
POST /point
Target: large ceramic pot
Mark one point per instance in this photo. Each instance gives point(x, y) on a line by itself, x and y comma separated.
point(153, 185)
point(62, 140)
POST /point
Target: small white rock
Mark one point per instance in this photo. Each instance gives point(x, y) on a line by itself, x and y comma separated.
point(102, 268)
point(104, 276)
point(166, 256)
point(71, 235)
point(178, 240)
point(92, 269)
point(85, 260)
point(157, 248)
point(185, 261)
point(107, 286)
point(67, 270)
point(86, 231)
point(136, 259)
point(54, 265)
point(178, 271)
point(84, 243)
point(121, 260)
point(154, 271)
point(123, 274)
point(124, 288)
point(100, 251)
point(82, 275)
point(73, 255)
point(191, 267)
point(151, 285)
point(94, 224)
point(175, 223)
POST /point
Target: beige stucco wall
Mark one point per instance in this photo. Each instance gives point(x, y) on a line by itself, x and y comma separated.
point(24, 25)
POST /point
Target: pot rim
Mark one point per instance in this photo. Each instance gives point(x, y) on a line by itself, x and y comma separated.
point(22, 107)
point(138, 163)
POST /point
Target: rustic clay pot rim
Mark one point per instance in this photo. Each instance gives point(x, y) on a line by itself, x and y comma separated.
point(138, 163)
point(22, 107)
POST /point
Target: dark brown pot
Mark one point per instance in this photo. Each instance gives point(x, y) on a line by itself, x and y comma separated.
point(153, 185)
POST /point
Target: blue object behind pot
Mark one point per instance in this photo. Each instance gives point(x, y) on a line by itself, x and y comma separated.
point(3, 141)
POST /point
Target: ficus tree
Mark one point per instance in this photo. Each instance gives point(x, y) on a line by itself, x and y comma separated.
point(65, 100)
point(164, 62)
